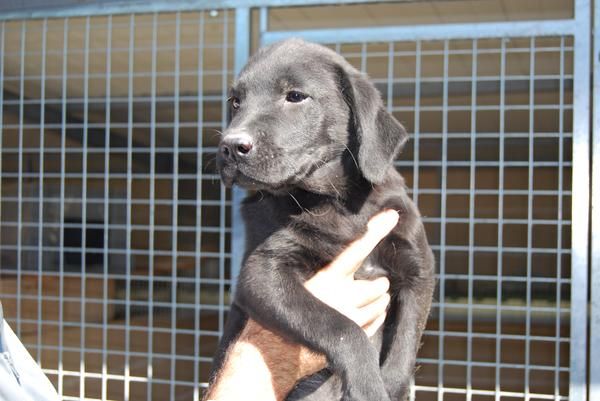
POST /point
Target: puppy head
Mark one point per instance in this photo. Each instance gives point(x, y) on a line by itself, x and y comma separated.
point(298, 111)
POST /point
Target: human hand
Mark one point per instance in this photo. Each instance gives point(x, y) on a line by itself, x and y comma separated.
point(363, 301)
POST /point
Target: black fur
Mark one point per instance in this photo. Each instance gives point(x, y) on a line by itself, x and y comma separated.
point(321, 168)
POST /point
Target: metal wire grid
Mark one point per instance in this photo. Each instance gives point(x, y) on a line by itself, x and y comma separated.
point(106, 157)
point(495, 199)
point(441, 191)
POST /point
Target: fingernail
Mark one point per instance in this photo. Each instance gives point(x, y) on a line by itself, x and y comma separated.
point(392, 214)
point(391, 218)
point(391, 211)
point(387, 217)
point(384, 283)
point(387, 299)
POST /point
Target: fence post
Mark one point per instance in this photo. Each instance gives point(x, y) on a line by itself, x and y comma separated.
point(238, 240)
point(595, 262)
point(580, 202)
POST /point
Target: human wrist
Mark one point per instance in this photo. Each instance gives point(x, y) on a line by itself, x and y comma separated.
point(287, 361)
point(260, 365)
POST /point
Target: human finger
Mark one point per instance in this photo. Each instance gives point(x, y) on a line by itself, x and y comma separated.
point(368, 291)
point(371, 312)
point(352, 257)
point(372, 327)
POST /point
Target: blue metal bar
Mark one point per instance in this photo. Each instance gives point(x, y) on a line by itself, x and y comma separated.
point(559, 217)
point(500, 228)
point(61, 219)
point(472, 192)
point(198, 243)
point(128, 218)
point(431, 32)
point(152, 211)
point(106, 208)
point(20, 172)
point(40, 221)
point(595, 262)
point(263, 22)
point(84, 210)
point(442, 227)
point(223, 196)
point(238, 235)
point(76, 9)
point(580, 202)
point(175, 208)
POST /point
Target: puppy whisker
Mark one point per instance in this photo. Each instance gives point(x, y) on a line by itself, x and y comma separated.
point(320, 163)
point(211, 160)
point(217, 134)
point(323, 163)
point(339, 195)
point(352, 155)
point(306, 210)
point(298, 203)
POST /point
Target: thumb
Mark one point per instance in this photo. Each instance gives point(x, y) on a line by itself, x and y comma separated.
point(349, 261)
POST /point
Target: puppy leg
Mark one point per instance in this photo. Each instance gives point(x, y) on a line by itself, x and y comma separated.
point(401, 341)
point(410, 263)
point(272, 293)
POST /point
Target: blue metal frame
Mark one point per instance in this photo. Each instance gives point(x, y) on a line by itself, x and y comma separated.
point(76, 9)
point(595, 262)
point(430, 32)
point(238, 235)
point(580, 202)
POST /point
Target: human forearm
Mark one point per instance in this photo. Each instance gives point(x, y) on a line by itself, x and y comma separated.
point(263, 366)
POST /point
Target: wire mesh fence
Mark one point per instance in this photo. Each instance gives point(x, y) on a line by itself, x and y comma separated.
point(115, 228)
point(489, 166)
point(115, 255)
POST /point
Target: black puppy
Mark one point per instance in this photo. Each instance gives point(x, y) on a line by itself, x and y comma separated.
point(310, 134)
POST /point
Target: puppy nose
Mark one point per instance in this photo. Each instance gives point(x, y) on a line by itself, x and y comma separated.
point(236, 145)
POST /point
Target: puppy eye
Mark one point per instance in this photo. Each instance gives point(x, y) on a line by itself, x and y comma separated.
point(234, 101)
point(295, 97)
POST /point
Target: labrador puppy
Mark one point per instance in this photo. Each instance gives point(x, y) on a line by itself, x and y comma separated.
point(310, 137)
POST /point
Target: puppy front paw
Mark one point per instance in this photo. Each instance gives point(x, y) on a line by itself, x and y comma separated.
point(364, 385)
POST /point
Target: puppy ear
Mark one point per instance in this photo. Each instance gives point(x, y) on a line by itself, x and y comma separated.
point(379, 136)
